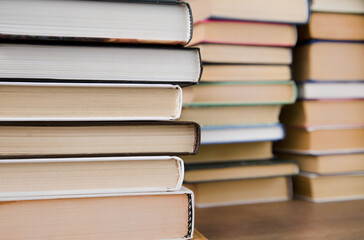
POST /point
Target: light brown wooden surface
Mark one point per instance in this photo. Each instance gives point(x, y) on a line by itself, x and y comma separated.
point(295, 220)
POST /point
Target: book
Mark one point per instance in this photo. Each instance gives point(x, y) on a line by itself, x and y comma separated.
point(331, 90)
point(327, 164)
point(327, 188)
point(46, 176)
point(320, 112)
point(338, 6)
point(154, 215)
point(322, 140)
point(243, 133)
point(244, 93)
point(198, 236)
point(231, 115)
point(244, 54)
point(231, 152)
point(246, 73)
point(226, 171)
point(51, 139)
point(24, 101)
point(244, 33)
point(333, 26)
point(246, 191)
point(287, 11)
point(82, 63)
point(328, 61)
point(162, 22)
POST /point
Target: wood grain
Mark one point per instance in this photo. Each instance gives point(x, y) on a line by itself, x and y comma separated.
point(295, 220)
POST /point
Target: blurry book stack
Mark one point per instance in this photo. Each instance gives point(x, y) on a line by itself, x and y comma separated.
point(246, 48)
point(325, 128)
point(87, 144)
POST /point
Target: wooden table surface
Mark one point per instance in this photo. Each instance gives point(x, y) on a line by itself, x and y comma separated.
point(295, 220)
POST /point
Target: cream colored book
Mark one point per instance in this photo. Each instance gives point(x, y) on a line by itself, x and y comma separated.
point(112, 216)
point(69, 176)
point(26, 101)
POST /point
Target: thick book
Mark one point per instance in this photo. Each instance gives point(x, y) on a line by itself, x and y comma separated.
point(322, 140)
point(245, 73)
point(227, 171)
point(88, 63)
point(329, 61)
point(338, 6)
point(158, 22)
point(153, 215)
point(240, 134)
point(244, 93)
point(246, 191)
point(40, 139)
point(320, 112)
point(231, 152)
point(244, 33)
point(331, 90)
point(242, 54)
point(232, 115)
point(25, 101)
point(73, 176)
point(282, 11)
point(329, 187)
point(327, 164)
point(333, 26)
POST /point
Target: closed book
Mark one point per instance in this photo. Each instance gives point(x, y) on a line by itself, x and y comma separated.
point(244, 93)
point(321, 112)
point(161, 22)
point(88, 63)
point(333, 26)
point(329, 187)
point(225, 171)
point(243, 54)
point(40, 139)
point(338, 6)
point(245, 73)
point(46, 176)
point(232, 115)
point(330, 90)
point(153, 215)
point(329, 61)
point(85, 101)
point(245, 191)
point(231, 152)
point(288, 11)
point(240, 134)
point(328, 163)
point(244, 33)
point(320, 140)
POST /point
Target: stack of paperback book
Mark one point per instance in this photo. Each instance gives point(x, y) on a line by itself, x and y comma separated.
point(325, 128)
point(86, 143)
point(246, 47)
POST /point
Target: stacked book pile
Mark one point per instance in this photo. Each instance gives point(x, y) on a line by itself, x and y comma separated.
point(325, 128)
point(87, 144)
point(246, 47)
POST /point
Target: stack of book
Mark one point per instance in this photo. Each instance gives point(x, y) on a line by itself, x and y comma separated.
point(87, 149)
point(246, 47)
point(325, 128)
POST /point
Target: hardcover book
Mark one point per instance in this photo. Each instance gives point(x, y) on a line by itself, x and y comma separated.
point(231, 152)
point(153, 215)
point(88, 101)
point(74, 176)
point(244, 33)
point(51, 139)
point(158, 22)
point(226, 171)
point(244, 93)
point(338, 6)
point(331, 90)
point(83, 63)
